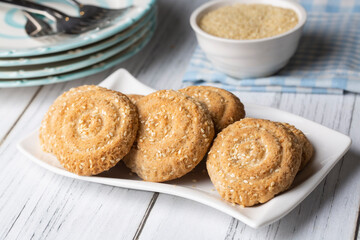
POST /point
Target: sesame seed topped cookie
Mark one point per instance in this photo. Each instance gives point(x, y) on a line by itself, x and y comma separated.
point(224, 107)
point(134, 97)
point(49, 124)
point(92, 128)
point(175, 132)
point(307, 148)
point(252, 160)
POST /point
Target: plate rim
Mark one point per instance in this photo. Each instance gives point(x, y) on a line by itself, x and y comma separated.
point(71, 45)
point(88, 60)
point(80, 73)
point(196, 194)
point(67, 55)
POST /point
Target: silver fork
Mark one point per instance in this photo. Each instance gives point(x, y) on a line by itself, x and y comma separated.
point(92, 11)
point(37, 27)
point(64, 23)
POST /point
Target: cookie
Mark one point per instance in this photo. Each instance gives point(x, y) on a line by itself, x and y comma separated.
point(307, 148)
point(93, 129)
point(175, 132)
point(48, 126)
point(134, 97)
point(252, 160)
point(224, 107)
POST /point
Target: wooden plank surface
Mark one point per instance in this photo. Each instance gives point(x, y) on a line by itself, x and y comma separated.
point(36, 204)
point(12, 106)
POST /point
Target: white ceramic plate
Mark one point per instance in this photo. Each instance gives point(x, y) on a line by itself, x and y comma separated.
point(329, 146)
point(16, 43)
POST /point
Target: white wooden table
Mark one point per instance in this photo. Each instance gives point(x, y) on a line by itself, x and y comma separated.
point(37, 204)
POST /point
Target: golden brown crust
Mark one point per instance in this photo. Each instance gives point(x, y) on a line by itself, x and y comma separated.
point(174, 135)
point(91, 129)
point(224, 107)
point(252, 160)
point(134, 97)
point(49, 124)
point(307, 148)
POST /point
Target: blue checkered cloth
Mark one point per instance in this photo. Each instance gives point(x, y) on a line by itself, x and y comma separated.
point(326, 62)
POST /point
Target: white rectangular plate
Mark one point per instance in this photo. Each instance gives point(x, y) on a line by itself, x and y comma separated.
point(329, 146)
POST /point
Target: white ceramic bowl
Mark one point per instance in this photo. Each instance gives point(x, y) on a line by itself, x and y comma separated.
point(249, 58)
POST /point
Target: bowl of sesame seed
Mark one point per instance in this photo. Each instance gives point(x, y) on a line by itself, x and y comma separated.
point(249, 38)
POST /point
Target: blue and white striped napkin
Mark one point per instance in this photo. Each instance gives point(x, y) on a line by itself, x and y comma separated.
point(327, 60)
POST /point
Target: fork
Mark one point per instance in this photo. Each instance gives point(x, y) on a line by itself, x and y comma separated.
point(64, 23)
point(92, 11)
point(37, 27)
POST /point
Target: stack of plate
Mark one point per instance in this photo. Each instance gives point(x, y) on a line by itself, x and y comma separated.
point(26, 61)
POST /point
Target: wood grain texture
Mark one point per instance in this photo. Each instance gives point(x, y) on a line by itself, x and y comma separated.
point(164, 61)
point(12, 106)
point(36, 204)
point(178, 218)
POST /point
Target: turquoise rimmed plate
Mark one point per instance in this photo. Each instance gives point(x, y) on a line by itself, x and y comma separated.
point(79, 52)
point(56, 68)
point(108, 63)
point(15, 42)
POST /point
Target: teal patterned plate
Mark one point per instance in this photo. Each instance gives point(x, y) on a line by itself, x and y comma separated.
point(78, 52)
point(56, 68)
point(15, 42)
point(108, 63)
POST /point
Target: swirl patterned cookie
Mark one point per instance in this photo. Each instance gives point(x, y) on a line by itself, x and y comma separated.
point(224, 107)
point(252, 160)
point(93, 129)
point(49, 124)
point(174, 135)
point(307, 148)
